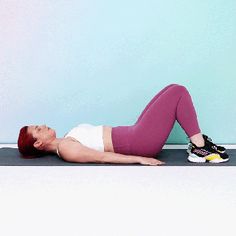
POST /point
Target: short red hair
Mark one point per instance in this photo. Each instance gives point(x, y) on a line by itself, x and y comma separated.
point(26, 144)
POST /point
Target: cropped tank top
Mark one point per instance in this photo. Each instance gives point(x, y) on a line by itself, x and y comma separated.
point(89, 135)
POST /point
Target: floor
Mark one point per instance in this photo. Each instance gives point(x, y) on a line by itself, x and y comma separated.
point(117, 200)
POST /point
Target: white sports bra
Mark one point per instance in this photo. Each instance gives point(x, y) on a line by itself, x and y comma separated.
point(89, 135)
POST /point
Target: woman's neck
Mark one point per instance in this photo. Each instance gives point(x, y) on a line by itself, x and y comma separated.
point(52, 147)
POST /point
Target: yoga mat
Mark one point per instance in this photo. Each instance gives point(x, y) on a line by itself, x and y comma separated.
point(172, 157)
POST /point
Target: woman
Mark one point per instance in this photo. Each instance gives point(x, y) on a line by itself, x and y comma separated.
point(137, 143)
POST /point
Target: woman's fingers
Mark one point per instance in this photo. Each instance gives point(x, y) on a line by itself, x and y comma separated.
point(151, 161)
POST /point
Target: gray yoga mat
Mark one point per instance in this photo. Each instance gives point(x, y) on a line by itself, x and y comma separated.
point(172, 157)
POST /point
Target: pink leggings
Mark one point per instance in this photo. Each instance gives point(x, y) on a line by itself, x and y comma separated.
point(149, 134)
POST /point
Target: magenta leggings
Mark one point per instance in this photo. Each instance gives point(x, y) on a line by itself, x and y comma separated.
point(149, 134)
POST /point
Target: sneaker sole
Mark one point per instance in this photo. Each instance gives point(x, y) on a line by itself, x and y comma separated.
point(196, 159)
point(219, 160)
point(212, 158)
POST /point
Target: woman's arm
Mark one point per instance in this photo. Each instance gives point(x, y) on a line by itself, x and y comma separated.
point(110, 157)
point(76, 152)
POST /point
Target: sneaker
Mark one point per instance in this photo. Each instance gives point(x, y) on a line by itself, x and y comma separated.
point(219, 149)
point(205, 154)
point(207, 139)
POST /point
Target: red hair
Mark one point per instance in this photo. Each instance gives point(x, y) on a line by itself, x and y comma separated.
point(26, 144)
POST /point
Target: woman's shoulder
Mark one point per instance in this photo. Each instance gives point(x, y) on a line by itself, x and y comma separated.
point(66, 145)
point(65, 142)
point(69, 139)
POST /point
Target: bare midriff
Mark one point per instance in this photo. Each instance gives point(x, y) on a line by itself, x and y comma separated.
point(107, 139)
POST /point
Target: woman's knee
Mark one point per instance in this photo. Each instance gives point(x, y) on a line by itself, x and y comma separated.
point(172, 85)
point(180, 88)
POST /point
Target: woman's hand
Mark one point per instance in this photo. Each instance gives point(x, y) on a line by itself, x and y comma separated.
point(150, 161)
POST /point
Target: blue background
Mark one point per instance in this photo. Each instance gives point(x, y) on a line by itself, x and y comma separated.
point(68, 62)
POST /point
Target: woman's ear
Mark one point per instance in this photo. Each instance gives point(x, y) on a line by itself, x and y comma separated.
point(38, 145)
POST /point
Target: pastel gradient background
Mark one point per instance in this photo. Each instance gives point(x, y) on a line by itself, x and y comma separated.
point(68, 62)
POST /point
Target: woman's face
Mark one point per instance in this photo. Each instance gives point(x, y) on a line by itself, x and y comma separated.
point(42, 132)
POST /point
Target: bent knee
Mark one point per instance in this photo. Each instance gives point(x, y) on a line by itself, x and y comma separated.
point(180, 88)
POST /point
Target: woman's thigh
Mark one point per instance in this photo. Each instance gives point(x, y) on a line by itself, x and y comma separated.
point(149, 134)
point(154, 99)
